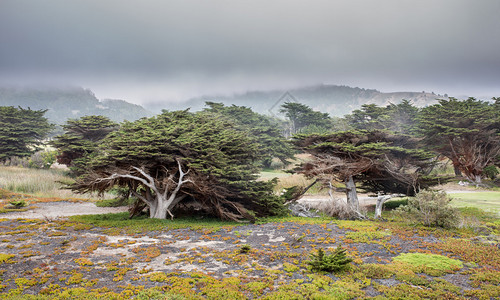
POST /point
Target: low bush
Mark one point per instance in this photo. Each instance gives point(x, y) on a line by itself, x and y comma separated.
point(491, 172)
point(430, 208)
point(334, 262)
point(18, 203)
point(42, 159)
point(39, 160)
point(245, 249)
point(338, 208)
point(393, 204)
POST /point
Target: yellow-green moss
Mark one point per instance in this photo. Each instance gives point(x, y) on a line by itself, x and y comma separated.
point(432, 261)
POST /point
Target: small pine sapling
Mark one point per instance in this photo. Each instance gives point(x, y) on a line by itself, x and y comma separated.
point(335, 262)
point(245, 249)
point(17, 204)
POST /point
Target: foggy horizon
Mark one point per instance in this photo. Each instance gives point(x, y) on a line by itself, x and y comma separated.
point(164, 52)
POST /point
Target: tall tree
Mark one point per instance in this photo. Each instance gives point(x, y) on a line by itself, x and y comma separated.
point(179, 157)
point(378, 160)
point(399, 118)
point(268, 136)
point(302, 116)
point(496, 107)
point(21, 131)
point(368, 117)
point(467, 132)
point(80, 139)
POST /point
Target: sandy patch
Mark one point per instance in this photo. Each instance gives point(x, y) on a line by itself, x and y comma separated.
point(53, 210)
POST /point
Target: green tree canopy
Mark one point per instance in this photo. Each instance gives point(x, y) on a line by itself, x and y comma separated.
point(399, 118)
point(302, 116)
point(180, 158)
point(467, 132)
point(21, 131)
point(80, 139)
point(377, 160)
point(268, 136)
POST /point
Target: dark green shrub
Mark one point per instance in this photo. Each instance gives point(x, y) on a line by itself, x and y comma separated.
point(491, 172)
point(18, 203)
point(430, 208)
point(245, 249)
point(334, 262)
point(393, 204)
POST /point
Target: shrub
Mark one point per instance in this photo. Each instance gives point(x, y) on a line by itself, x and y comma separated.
point(335, 262)
point(491, 172)
point(245, 249)
point(16, 161)
point(18, 203)
point(393, 204)
point(430, 208)
point(42, 159)
point(339, 209)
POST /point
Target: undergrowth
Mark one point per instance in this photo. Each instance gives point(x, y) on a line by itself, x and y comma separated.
point(330, 262)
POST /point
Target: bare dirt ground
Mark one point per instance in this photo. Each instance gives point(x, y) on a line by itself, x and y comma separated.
point(51, 210)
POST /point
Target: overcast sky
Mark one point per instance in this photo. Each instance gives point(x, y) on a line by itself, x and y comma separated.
point(158, 50)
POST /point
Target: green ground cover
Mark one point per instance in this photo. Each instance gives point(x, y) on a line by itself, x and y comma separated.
point(488, 201)
point(82, 259)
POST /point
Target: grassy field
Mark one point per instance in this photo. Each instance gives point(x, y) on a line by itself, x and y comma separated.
point(38, 182)
point(488, 201)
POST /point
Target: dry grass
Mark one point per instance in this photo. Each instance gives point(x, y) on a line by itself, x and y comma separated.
point(38, 183)
point(286, 180)
point(340, 209)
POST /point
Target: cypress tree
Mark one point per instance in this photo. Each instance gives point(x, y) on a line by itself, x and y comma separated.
point(80, 139)
point(180, 158)
point(21, 131)
point(467, 132)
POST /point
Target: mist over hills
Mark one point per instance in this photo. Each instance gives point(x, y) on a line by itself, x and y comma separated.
point(337, 100)
point(63, 103)
point(70, 103)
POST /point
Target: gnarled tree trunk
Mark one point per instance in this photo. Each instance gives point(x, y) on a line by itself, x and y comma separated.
point(160, 196)
point(380, 202)
point(352, 195)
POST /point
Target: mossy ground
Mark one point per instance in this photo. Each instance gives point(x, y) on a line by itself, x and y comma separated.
point(103, 257)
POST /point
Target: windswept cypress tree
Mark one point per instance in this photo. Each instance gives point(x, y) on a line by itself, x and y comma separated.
point(379, 161)
point(399, 118)
point(181, 157)
point(302, 116)
point(268, 136)
point(80, 139)
point(467, 132)
point(21, 131)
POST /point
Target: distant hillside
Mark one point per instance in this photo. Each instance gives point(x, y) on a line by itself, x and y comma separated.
point(333, 99)
point(70, 102)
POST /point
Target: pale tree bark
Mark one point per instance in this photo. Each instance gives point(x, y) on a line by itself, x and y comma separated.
point(352, 197)
point(380, 202)
point(350, 191)
point(160, 197)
